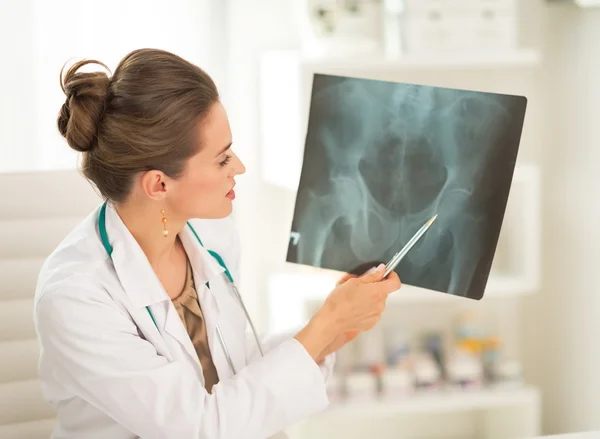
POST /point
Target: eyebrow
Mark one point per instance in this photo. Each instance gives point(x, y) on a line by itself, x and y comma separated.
point(224, 149)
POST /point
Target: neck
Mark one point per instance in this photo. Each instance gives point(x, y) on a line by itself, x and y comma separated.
point(144, 221)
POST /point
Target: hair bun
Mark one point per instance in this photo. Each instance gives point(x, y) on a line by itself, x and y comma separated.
point(81, 114)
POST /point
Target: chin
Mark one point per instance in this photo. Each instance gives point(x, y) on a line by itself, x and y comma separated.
point(218, 213)
point(222, 210)
point(226, 213)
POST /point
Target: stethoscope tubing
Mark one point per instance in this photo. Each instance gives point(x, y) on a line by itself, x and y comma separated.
point(108, 248)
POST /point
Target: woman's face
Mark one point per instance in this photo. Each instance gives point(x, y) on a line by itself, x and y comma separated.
point(205, 190)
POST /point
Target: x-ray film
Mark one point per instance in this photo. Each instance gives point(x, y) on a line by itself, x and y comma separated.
point(381, 158)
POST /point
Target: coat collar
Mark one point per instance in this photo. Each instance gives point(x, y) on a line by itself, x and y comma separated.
point(135, 272)
point(206, 268)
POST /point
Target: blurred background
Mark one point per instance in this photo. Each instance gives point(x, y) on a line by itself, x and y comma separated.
point(522, 362)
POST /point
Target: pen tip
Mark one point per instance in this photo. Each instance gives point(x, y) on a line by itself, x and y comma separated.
point(430, 222)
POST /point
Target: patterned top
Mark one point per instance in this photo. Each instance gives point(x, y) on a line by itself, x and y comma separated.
point(190, 313)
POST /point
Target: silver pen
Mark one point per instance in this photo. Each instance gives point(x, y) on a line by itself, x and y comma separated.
point(393, 263)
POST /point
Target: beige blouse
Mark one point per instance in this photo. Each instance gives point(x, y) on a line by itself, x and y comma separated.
point(189, 311)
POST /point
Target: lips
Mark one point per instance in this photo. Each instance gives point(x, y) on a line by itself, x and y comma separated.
point(231, 194)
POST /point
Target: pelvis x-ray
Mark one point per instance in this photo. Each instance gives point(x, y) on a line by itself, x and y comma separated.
point(382, 158)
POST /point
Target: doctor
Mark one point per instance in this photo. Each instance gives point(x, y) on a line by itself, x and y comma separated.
point(141, 328)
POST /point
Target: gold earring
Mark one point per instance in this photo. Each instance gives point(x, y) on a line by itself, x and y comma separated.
point(164, 221)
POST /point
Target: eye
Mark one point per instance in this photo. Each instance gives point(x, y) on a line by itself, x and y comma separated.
point(225, 161)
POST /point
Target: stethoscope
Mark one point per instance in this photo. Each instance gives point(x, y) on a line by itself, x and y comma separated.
point(109, 249)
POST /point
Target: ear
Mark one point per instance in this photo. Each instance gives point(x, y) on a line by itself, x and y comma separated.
point(155, 184)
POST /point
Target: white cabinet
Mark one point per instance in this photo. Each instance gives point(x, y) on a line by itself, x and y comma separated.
point(477, 415)
point(286, 81)
point(459, 25)
point(294, 291)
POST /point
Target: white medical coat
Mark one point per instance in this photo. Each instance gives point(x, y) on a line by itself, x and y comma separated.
point(112, 374)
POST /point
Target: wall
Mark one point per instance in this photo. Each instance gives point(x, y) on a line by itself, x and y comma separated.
point(562, 324)
point(254, 26)
point(15, 117)
point(264, 211)
point(36, 39)
point(558, 324)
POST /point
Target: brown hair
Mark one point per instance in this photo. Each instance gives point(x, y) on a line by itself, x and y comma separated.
point(141, 118)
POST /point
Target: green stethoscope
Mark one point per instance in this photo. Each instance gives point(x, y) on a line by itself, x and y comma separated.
point(109, 249)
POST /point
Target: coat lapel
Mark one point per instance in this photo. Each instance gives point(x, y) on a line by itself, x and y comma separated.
point(138, 280)
point(143, 289)
point(205, 269)
point(219, 306)
point(208, 271)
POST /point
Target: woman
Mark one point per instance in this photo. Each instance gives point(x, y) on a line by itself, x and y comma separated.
point(141, 331)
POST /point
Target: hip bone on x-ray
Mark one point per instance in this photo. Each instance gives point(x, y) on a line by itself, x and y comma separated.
point(381, 158)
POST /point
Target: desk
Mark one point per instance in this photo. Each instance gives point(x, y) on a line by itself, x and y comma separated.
point(587, 435)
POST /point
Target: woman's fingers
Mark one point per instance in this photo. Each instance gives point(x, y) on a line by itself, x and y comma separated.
point(372, 275)
point(392, 282)
point(345, 278)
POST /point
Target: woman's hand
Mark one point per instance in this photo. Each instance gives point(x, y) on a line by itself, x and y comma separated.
point(341, 340)
point(355, 304)
point(338, 343)
point(344, 338)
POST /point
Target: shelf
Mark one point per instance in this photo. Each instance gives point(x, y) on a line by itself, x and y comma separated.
point(285, 83)
point(291, 291)
point(470, 60)
point(584, 435)
point(444, 401)
point(490, 414)
point(290, 288)
point(315, 285)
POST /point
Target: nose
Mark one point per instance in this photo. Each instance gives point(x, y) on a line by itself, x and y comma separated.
point(239, 167)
